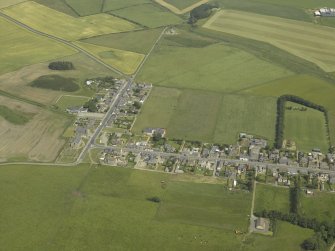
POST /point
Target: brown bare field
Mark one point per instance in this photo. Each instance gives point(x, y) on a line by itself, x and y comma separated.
point(178, 11)
point(38, 140)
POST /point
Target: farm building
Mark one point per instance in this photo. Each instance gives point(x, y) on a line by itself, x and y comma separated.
point(260, 224)
point(325, 12)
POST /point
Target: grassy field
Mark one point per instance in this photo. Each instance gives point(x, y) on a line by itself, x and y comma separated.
point(20, 48)
point(148, 15)
point(59, 5)
point(288, 237)
point(86, 7)
point(214, 67)
point(67, 101)
point(6, 3)
point(304, 86)
point(272, 198)
point(65, 26)
point(319, 206)
point(37, 140)
point(306, 128)
point(15, 117)
point(103, 209)
point(125, 61)
point(121, 4)
point(281, 33)
point(205, 205)
point(182, 4)
point(207, 116)
point(173, 6)
point(55, 83)
point(136, 41)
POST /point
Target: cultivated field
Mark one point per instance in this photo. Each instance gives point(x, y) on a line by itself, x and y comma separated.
point(306, 128)
point(136, 41)
point(6, 3)
point(148, 15)
point(20, 48)
point(65, 26)
point(272, 198)
point(207, 116)
point(86, 7)
point(125, 61)
point(38, 140)
point(120, 4)
point(67, 101)
point(180, 7)
point(306, 40)
point(206, 66)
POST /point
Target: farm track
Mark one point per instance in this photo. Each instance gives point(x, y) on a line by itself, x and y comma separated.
point(63, 41)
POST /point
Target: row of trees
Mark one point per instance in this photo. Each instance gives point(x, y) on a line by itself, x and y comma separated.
point(281, 114)
point(61, 66)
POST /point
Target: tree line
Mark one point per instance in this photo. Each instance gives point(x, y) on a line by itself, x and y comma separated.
point(279, 137)
point(202, 11)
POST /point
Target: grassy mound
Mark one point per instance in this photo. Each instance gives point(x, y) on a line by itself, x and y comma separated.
point(56, 83)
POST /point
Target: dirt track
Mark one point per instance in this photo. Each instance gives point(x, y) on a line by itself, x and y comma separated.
point(178, 11)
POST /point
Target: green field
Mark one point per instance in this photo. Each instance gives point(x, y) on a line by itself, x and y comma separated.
point(207, 116)
point(320, 206)
point(20, 48)
point(15, 117)
point(59, 5)
point(313, 42)
point(6, 3)
point(86, 7)
point(181, 4)
point(306, 128)
point(55, 83)
point(121, 4)
point(136, 41)
point(65, 26)
point(69, 101)
point(215, 67)
point(125, 61)
point(148, 15)
point(272, 198)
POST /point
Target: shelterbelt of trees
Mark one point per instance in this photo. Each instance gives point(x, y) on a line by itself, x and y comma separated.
point(61, 66)
point(202, 11)
point(281, 115)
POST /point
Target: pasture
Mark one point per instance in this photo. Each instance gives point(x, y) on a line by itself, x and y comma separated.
point(269, 197)
point(86, 7)
point(207, 116)
point(137, 41)
point(121, 4)
point(60, 6)
point(65, 26)
point(148, 15)
point(67, 101)
point(36, 140)
point(306, 128)
point(305, 40)
point(320, 206)
point(214, 67)
point(6, 3)
point(175, 5)
point(308, 87)
point(20, 48)
point(125, 61)
point(15, 117)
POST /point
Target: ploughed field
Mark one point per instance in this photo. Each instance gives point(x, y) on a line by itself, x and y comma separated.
point(306, 40)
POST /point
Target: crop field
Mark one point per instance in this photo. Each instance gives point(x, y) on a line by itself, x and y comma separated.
point(65, 26)
point(136, 41)
point(148, 15)
point(38, 139)
point(205, 205)
point(125, 61)
point(121, 4)
point(86, 7)
point(304, 86)
point(215, 67)
point(6, 3)
point(20, 48)
point(320, 206)
point(207, 116)
point(67, 101)
point(59, 5)
point(306, 128)
point(55, 83)
point(15, 117)
point(302, 39)
point(175, 5)
point(272, 198)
